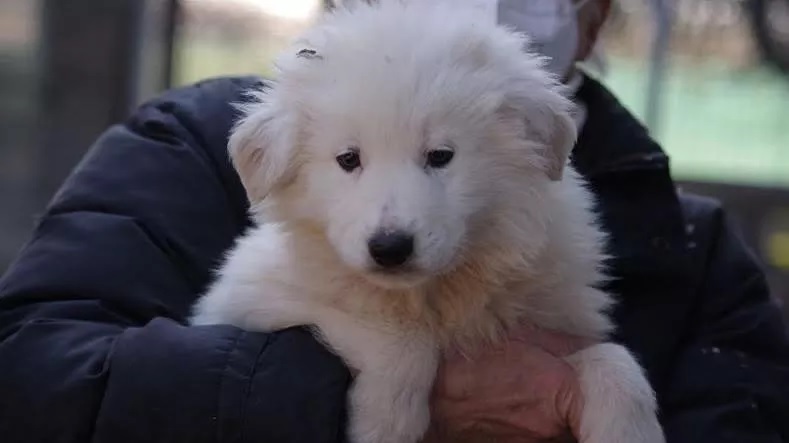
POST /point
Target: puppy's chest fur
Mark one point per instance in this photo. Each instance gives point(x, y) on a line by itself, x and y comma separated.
point(471, 305)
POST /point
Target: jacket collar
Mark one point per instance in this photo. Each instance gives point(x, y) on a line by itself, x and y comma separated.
point(600, 147)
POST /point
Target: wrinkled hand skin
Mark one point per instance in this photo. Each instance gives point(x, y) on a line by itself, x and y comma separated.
point(520, 392)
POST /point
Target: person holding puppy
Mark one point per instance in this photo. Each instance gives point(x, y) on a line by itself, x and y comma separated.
point(94, 346)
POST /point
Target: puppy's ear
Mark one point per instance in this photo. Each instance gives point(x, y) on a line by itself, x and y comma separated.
point(556, 132)
point(262, 147)
point(546, 114)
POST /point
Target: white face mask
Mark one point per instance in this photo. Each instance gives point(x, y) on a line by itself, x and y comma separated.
point(551, 24)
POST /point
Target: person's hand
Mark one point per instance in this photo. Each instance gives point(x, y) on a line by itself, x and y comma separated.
point(521, 392)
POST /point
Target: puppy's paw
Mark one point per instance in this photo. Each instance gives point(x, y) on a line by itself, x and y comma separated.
point(383, 413)
point(634, 423)
point(619, 404)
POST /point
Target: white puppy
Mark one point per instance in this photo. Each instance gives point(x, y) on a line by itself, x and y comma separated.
point(408, 174)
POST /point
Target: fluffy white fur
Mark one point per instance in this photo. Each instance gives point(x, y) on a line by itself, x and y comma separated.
point(504, 234)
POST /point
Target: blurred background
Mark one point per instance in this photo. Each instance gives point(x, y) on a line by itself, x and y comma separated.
point(710, 78)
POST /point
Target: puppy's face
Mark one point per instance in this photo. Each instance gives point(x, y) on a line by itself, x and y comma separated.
point(402, 150)
point(395, 181)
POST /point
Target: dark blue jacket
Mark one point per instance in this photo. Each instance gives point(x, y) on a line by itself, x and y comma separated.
point(93, 346)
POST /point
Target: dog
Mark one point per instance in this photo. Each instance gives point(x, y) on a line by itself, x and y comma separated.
point(408, 174)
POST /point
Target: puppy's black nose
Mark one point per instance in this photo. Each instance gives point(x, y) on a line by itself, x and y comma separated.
point(391, 248)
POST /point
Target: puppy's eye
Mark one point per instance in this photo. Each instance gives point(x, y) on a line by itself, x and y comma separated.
point(439, 158)
point(349, 160)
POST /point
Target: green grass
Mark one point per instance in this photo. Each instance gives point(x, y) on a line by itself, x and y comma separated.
point(715, 123)
point(198, 60)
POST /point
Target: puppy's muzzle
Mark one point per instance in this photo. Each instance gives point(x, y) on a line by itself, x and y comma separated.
point(390, 249)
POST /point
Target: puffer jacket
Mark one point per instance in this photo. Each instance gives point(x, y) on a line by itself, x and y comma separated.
point(94, 346)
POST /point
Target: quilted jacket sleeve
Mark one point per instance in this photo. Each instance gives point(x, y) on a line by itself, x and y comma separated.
point(93, 345)
point(731, 382)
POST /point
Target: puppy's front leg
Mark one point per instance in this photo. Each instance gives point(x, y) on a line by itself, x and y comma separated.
point(389, 399)
point(391, 406)
point(619, 404)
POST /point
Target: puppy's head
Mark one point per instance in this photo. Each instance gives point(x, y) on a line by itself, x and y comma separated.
point(406, 132)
